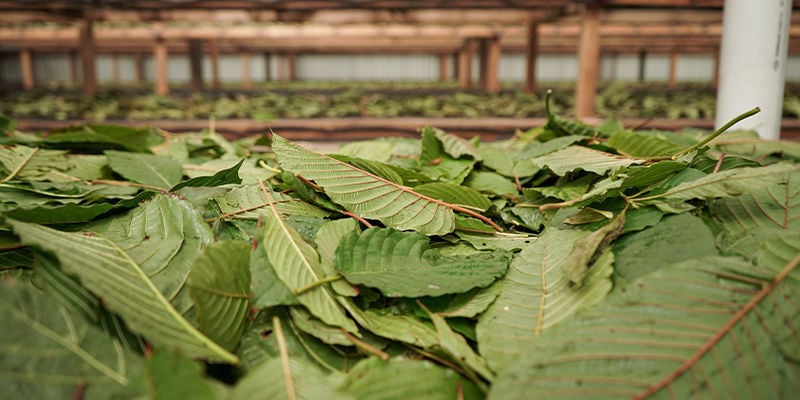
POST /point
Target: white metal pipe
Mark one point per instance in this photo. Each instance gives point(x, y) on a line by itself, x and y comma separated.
point(752, 66)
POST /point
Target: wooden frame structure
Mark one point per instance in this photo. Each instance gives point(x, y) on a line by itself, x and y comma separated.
point(456, 29)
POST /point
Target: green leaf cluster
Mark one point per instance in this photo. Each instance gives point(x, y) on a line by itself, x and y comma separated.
point(568, 261)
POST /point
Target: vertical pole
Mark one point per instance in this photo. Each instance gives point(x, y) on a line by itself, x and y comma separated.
point(291, 64)
point(612, 74)
point(87, 50)
point(715, 72)
point(138, 63)
point(160, 60)
point(267, 67)
point(115, 68)
point(464, 70)
point(196, 64)
point(213, 52)
point(672, 82)
point(246, 81)
point(491, 78)
point(531, 51)
point(73, 66)
point(589, 60)
point(642, 65)
point(26, 65)
point(753, 63)
point(444, 67)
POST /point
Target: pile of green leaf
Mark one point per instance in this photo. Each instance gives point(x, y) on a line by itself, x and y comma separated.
point(568, 262)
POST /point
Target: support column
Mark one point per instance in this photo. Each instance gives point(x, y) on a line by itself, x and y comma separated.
point(160, 60)
point(672, 81)
point(444, 67)
point(267, 67)
point(115, 68)
point(246, 81)
point(74, 66)
point(642, 65)
point(589, 60)
point(531, 52)
point(291, 64)
point(196, 64)
point(715, 72)
point(26, 66)
point(464, 69)
point(753, 63)
point(490, 65)
point(138, 66)
point(87, 50)
point(213, 52)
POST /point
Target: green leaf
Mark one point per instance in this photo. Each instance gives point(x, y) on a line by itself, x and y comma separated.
point(536, 296)
point(100, 137)
point(47, 352)
point(220, 287)
point(329, 236)
point(453, 145)
point(492, 183)
point(250, 202)
point(368, 150)
point(30, 163)
point(455, 194)
point(727, 183)
point(710, 327)
point(403, 264)
point(170, 376)
point(147, 169)
point(641, 144)
point(402, 378)
point(366, 194)
point(137, 277)
point(436, 162)
point(457, 348)
point(222, 177)
point(297, 265)
point(578, 157)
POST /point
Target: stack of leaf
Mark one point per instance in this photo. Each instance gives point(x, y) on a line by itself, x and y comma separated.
point(570, 261)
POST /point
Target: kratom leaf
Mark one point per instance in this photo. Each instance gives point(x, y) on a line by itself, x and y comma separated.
point(311, 325)
point(706, 327)
point(490, 182)
point(170, 376)
point(366, 194)
point(403, 328)
point(457, 348)
point(297, 265)
point(402, 378)
point(536, 149)
point(220, 287)
point(250, 202)
point(578, 157)
point(368, 150)
point(636, 144)
point(437, 163)
point(147, 169)
point(222, 177)
point(452, 144)
point(402, 264)
point(329, 236)
point(47, 352)
point(455, 194)
point(727, 183)
point(139, 291)
point(30, 163)
point(101, 137)
point(536, 296)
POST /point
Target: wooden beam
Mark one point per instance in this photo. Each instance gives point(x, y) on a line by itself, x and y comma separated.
point(160, 55)
point(444, 67)
point(246, 79)
point(26, 66)
point(87, 51)
point(213, 53)
point(531, 51)
point(672, 80)
point(195, 64)
point(589, 63)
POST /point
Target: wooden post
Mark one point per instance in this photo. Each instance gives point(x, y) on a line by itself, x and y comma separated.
point(464, 70)
point(267, 67)
point(246, 81)
point(589, 60)
point(87, 50)
point(196, 64)
point(213, 52)
point(612, 74)
point(492, 76)
point(73, 65)
point(160, 59)
point(26, 65)
point(444, 67)
point(115, 68)
point(291, 61)
point(138, 61)
point(715, 74)
point(672, 82)
point(531, 51)
point(642, 65)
